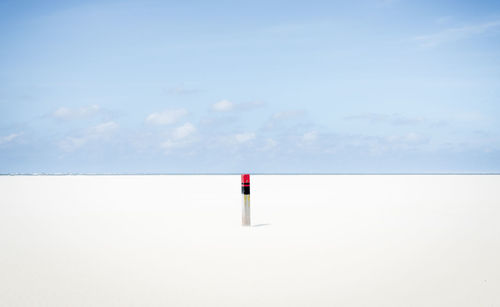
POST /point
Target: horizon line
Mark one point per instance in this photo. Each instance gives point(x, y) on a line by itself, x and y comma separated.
point(231, 174)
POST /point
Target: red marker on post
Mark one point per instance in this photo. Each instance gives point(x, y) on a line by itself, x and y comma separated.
point(245, 191)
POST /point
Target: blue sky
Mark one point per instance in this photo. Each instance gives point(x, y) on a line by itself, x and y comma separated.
point(255, 86)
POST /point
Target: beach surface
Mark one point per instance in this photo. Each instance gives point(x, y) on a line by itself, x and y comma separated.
point(315, 240)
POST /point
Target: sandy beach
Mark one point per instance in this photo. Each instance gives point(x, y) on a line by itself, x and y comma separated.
point(316, 240)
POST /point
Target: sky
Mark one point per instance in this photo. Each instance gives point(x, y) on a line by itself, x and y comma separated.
point(371, 86)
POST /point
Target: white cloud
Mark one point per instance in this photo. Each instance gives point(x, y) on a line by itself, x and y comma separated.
point(9, 138)
point(219, 121)
point(393, 143)
point(166, 117)
point(95, 133)
point(288, 114)
point(226, 105)
point(244, 137)
point(183, 131)
point(455, 34)
point(104, 128)
point(409, 138)
point(269, 144)
point(310, 136)
point(323, 142)
point(393, 119)
point(62, 112)
point(382, 144)
point(286, 120)
point(170, 144)
point(69, 113)
point(72, 143)
point(180, 137)
point(223, 106)
point(235, 140)
point(244, 106)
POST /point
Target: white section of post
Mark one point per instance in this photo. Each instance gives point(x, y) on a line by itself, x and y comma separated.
point(245, 218)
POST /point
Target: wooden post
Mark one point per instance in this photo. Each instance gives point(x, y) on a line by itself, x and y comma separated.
point(245, 191)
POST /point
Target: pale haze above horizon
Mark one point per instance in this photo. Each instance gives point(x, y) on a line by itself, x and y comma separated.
point(381, 86)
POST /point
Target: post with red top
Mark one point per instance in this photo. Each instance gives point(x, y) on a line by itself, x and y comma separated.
point(245, 190)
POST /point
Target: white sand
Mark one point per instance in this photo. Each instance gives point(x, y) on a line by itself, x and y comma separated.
point(177, 241)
